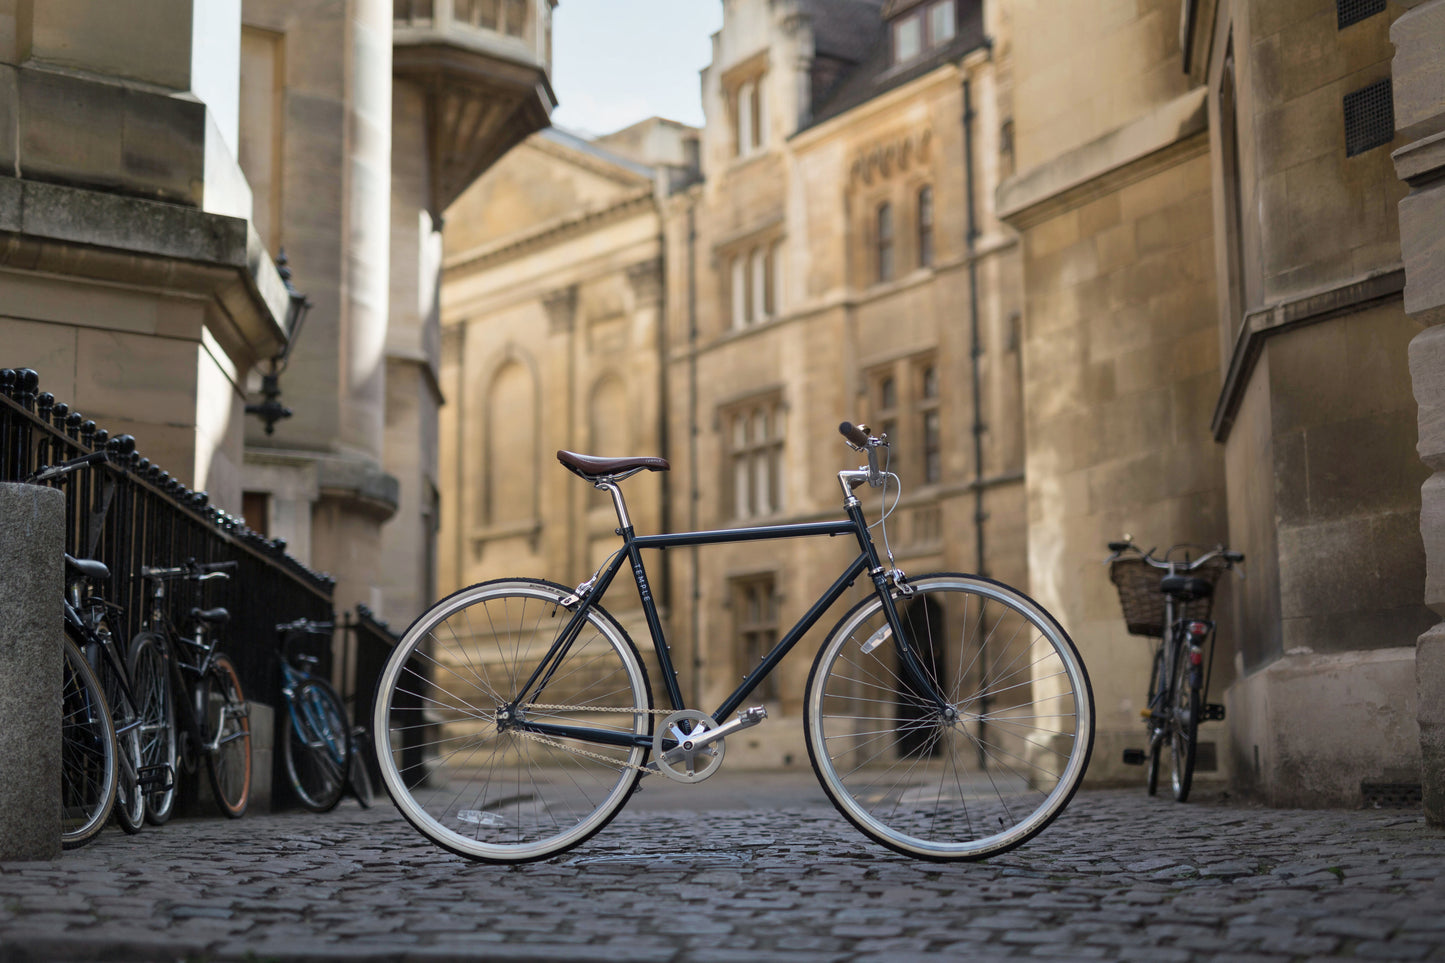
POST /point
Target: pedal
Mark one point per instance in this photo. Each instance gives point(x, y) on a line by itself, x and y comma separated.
point(155, 778)
point(1134, 757)
point(1213, 712)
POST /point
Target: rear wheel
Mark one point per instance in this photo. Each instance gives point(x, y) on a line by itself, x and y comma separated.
point(1184, 738)
point(449, 723)
point(1156, 720)
point(88, 770)
point(317, 745)
point(989, 769)
point(226, 729)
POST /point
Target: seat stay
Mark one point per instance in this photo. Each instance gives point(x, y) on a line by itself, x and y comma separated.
point(549, 663)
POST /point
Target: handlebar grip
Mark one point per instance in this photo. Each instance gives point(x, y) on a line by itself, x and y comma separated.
point(855, 437)
point(1234, 556)
point(1119, 546)
point(230, 566)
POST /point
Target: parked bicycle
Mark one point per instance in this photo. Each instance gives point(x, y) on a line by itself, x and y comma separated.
point(196, 693)
point(947, 716)
point(1172, 592)
point(102, 770)
point(319, 746)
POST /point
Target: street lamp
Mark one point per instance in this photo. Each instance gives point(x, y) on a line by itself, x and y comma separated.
point(270, 409)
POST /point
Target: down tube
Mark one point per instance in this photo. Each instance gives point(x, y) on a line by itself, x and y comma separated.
point(799, 629)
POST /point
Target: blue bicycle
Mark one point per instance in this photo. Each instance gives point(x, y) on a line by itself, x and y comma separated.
point(316, 738)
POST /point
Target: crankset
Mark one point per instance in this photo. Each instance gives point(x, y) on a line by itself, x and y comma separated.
point(696, 743)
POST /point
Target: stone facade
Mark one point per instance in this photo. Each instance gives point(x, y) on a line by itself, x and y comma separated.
point(1419, 101)
point(1170, 282)
point(157, 156)
point(1269, 408)
point(789, 302)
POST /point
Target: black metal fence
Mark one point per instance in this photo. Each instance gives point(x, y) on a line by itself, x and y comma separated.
point(129, 513)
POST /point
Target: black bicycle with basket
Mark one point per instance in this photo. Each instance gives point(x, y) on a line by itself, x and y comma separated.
point(1172, 592)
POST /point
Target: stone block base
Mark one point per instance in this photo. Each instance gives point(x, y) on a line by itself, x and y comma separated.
point(1310, 730)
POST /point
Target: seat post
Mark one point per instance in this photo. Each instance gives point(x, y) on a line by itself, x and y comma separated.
point(608, 483)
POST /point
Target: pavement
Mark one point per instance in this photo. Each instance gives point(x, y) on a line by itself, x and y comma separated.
point(748, 867)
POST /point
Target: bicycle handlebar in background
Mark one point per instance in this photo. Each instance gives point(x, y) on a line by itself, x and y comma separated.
point(50, 472)
point(1230, 556)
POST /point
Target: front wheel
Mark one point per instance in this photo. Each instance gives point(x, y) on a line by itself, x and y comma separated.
point(316, 743)
point(979, 775)
point(150, 677)
point(226, 730)
point(452, 727)
point(88, 770)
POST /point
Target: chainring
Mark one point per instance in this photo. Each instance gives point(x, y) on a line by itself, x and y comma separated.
point(686, 762)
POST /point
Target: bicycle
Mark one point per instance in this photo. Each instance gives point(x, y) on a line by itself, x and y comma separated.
point(213, 720)
point(1159, 592)
point(947, 716)
point(317, 738)
point(102, 770)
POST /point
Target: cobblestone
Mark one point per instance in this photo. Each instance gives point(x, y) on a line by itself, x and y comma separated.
point(1118, 877)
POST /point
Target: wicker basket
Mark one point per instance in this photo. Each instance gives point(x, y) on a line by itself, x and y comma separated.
point(1143, 602)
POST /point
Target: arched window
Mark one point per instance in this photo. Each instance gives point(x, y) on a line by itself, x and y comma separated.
point(884, 235)
point(510, 471)
point(925, 226)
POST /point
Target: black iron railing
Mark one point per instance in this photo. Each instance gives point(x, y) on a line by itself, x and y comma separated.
point(129, 513)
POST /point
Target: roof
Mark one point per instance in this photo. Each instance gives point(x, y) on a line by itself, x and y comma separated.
point(876, 75)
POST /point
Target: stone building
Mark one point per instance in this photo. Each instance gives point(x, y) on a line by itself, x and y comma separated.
point(552, 339)
point(1216, 351)
point(158, 156)
point(837, 259)
point(1099, 268)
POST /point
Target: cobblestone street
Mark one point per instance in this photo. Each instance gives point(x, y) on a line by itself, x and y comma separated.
point(773, 873)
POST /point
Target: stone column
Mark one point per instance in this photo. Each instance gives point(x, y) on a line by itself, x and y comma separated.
point(1419, 85)
point(32, 538)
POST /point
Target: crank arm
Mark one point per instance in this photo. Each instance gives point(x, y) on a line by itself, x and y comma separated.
point(745, 720)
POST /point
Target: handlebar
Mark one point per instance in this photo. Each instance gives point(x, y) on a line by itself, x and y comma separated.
point(50, 472)
point(1127, 547)
point(859, 439)
point(199, 571)
point(305, 625)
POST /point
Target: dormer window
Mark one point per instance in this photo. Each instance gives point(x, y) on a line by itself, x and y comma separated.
point(923, 27)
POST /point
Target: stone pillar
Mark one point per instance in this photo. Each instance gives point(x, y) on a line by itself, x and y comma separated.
point(32, 538)
point(1419, 85)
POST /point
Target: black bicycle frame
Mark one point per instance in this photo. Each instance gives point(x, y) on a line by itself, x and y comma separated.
point(632, 546)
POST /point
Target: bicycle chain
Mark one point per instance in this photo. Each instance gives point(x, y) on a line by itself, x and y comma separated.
point(547, 740)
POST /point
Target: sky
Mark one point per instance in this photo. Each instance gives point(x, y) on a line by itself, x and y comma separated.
point(616, 62)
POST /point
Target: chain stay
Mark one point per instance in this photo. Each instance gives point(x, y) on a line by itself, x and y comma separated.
point(548, 740)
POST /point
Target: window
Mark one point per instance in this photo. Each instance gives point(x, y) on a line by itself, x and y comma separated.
point(925, 226)
point(753, 436)
point(749, 117)
point(904, 404)
point(753, 284)
point(930, 425)
point(256, 510)
point(923, 28)
point(755, 626)
point(941, 27)
point(907, 39)
point(884, 238)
